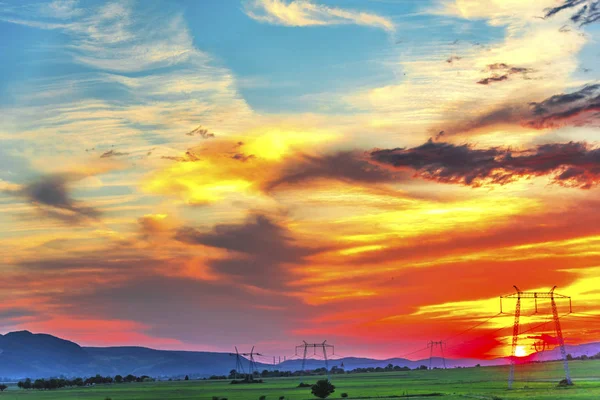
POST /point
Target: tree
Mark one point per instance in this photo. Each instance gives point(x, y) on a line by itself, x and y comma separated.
point(322, 388)
point(3, 387)
point(118, 379)
point(187, 378)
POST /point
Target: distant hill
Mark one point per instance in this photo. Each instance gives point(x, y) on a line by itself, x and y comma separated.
point(143, 361)
point(24, 354)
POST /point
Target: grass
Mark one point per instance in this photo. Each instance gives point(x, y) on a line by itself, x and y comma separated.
point(535, 382)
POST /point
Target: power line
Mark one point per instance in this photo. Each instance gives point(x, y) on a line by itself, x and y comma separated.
point(473, 327)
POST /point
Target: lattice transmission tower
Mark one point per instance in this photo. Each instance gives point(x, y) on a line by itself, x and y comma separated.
point(323, 346)
point(239, 365)
point(433, 344)
point(519, 295)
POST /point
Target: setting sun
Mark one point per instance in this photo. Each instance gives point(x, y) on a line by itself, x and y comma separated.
point(520, 351)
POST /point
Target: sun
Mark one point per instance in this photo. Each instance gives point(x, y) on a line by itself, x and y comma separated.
point(520, 351)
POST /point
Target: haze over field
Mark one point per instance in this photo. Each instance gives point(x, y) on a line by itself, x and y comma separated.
point(196, 175)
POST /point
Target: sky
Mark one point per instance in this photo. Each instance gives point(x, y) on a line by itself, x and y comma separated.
point(202, 175)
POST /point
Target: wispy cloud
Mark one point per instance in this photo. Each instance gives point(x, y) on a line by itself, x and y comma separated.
point(306, 13)
point(135, 109)
point(110, 37)
point(588, 11)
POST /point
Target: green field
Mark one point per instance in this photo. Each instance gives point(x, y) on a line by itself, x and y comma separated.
point(536, 381)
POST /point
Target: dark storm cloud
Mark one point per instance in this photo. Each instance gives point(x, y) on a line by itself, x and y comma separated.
point(52, 193)
point(588, 13)
point(263, 248)
point(570, 164)
point(346, 166)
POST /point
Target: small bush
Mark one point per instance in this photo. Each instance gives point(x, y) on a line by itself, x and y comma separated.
point(344, 395)
point(302, 384)
point(496, 398)
point(215, 398)
point(323, 388)
point(565, 382)
point(263, 397)
point(281, 397)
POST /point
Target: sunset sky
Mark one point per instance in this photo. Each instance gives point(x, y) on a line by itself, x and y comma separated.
point(208, 174)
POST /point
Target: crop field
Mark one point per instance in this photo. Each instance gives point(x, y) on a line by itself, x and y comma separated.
point(535, 381)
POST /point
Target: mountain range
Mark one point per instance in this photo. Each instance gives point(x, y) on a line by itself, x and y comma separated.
point(24, 354)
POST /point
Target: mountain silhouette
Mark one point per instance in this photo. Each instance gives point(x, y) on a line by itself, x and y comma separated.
point(25, 354)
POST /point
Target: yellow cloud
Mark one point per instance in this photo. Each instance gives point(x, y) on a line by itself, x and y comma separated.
point(305, 13)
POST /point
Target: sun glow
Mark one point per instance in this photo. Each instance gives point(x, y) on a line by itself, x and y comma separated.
point(520, 351)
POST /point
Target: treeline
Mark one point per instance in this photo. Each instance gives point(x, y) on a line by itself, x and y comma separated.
point(233, 374)
point(584, 357)
point(57, 383)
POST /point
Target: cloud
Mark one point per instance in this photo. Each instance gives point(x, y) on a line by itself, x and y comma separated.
point(110, 36)
point(112, 153)
point(260, 248)
point(588, 13)
point(347, 166)
point(243, 157)
point(569, 164)
point(52, 195)
point(63, 9)
point(578, 108)
point(202, 132)
point(189, 156)
point(506, 71)
point(487, 81)
point(175, 85)
point(306, 13)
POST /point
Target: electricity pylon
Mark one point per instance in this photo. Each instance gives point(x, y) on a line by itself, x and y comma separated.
point(324, 346)
point(251, 359)
point(537, 295)
point(432, 344)
point(238, 363)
